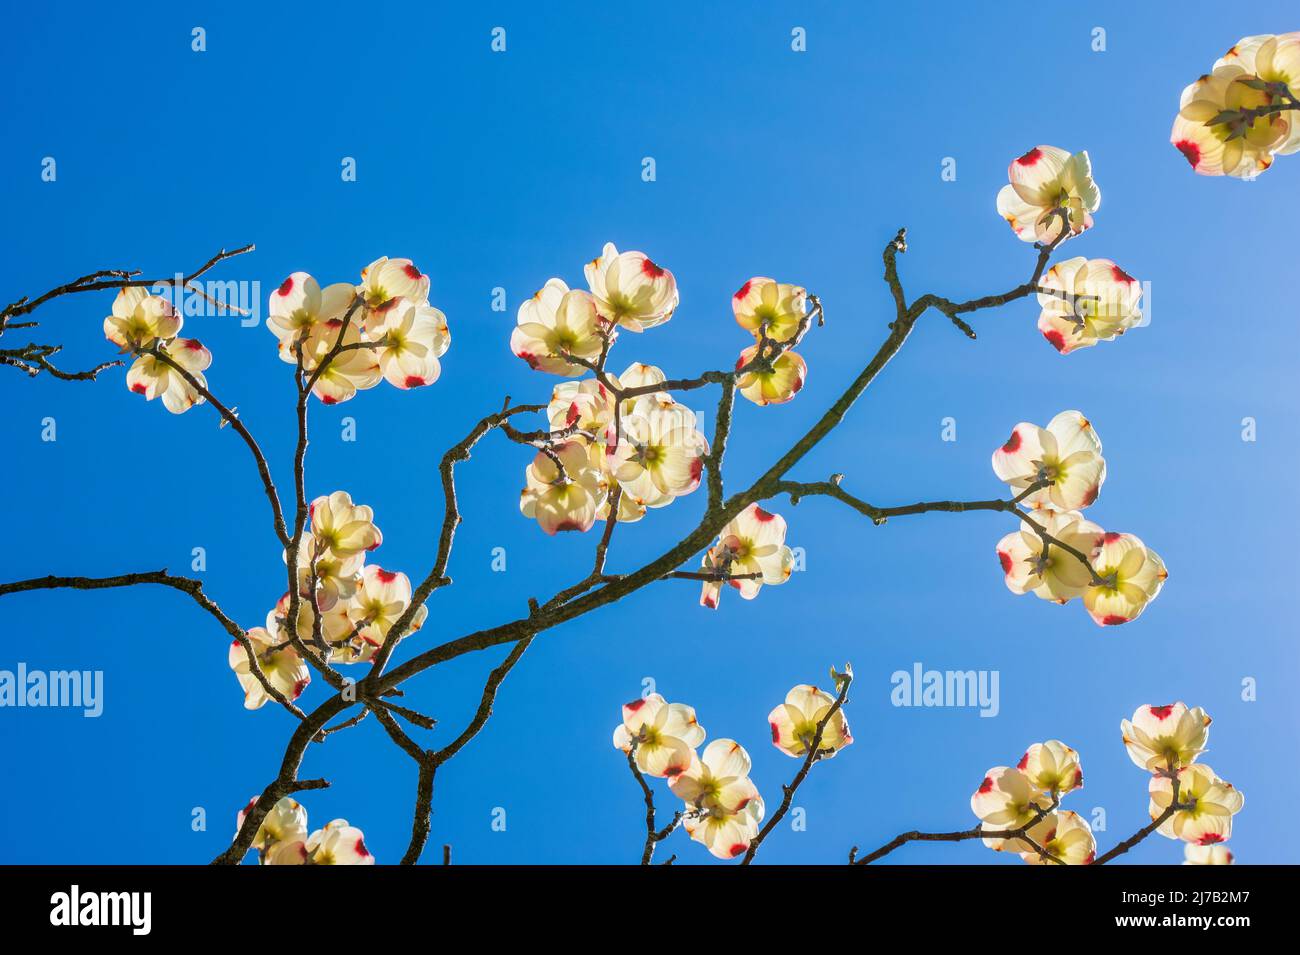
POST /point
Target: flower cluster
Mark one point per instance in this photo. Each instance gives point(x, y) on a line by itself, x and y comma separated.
point(618, 436)
point(166, 366)
point(1023, 800)
point(777, 315)
point(353, 604)
point(1064, 467)
point(722, 806)
point(1194, 804)
point(282, 838)
point(1051, 197)
point(350, 337)
point(1236, 118)
point(750, 552)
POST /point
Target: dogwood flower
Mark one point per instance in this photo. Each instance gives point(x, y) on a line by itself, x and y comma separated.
point(1216, 137)
point(154, 377)
point(1052, 767)
point(1102, 304)
point(662, 442)
point(140, 319)
point(564, 488)
point(775, 386)
point(386, 283)
point(664, 735)
point(341, 527)
point(770, 309)
point(1048, 572)
point(630, 290)
point(1273, 59)
point(382, 597)
point(724, 807)
point(1006, 800)
point(353, 368)
point(299, 305)
point(1165, 737)
point(1066, 836)
point(338, 844)
point(284, 669)
point(1216, 853)
point(1066, 454)
point(286, 822)
point(1210, 805)
point(749, 553)
point(1133, 575)
point(409, 340)
point(556, 322)
point(794, 723)
point(1049, 189)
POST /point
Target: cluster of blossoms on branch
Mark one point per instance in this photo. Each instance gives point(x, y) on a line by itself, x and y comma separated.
point(349, 338)
point(346, 337)
point(617, 443)
point(1050, 198)
point(1236, 118)
point(1022, 801)
point(1058, 554)
point(282, 838)
point(1018, 805)
point(722, 808)
point(345, 608)
point(1188, 799)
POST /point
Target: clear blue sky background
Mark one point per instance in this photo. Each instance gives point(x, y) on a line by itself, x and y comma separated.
point(506, 169)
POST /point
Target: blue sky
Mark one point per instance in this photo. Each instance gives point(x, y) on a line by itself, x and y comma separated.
point(504, 169)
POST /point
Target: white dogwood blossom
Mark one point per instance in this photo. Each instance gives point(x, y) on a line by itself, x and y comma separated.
point(1065, 836)
point(1006, 800)
point(630, 290)
point(794, 723)
point(769, 309)
point(1050, 190)
point(770, 386)
point(749, 553)
point(1214, 130)
point(1132, 576)
point(1086, 301)
point(140, 320)
point(558, 322)
point(156, 377)
point(286, 822)
point(1065, 456)
point(283, 667)
point(1029, 565)
point(1052, 767)
point(1206, 805)
point(724, 808)
point(409, 341)
point(564, 486)
point(664, 735)
point(387, 284)
point(299, 306)
point(1165, 737)
point(338, 844)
